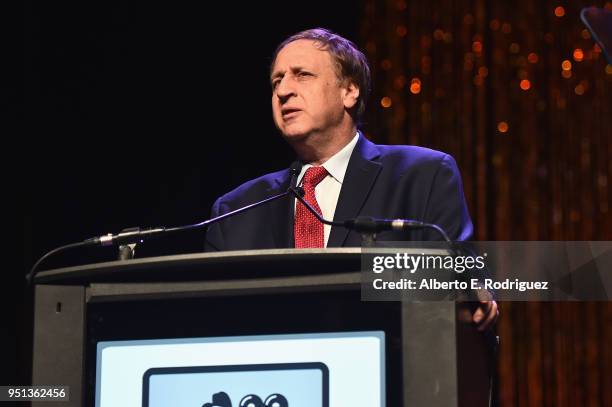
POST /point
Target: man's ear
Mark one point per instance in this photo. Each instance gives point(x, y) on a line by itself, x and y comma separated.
point(350, 94)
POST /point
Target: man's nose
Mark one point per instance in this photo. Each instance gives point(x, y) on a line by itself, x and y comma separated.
point(285, 89)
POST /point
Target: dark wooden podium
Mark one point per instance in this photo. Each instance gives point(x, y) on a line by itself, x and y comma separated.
point(439, 357)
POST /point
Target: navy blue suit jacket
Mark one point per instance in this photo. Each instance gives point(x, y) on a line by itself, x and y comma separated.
point(381, 181)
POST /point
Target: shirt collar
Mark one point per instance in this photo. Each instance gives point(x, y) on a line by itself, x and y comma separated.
point(336, 166)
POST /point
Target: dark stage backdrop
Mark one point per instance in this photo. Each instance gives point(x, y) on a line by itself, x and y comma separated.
point(521, 96)
point(141, 113)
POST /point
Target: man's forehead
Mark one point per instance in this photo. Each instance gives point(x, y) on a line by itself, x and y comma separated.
point(300, 54)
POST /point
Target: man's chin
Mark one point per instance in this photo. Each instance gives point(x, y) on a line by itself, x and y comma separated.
point(294, 135)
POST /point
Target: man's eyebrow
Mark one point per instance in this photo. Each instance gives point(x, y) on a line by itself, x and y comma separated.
point(297, 68)
point(278, 74)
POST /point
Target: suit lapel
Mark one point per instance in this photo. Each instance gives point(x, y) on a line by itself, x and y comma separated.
point(359, 179)
point(280, 213)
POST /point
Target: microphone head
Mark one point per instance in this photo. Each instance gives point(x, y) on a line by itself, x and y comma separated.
point(295, 168)
point(294, 172)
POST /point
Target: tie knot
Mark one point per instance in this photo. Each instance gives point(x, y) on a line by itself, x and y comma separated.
point(314, 175)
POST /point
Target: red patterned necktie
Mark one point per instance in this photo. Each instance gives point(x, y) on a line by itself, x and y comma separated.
point(308, 231)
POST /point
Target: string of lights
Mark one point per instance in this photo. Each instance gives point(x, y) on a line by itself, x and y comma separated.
point(520, 94)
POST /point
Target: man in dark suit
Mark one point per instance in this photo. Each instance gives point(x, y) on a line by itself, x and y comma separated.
point(320, 82)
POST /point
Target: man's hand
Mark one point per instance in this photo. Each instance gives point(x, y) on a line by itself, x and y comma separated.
point(485, 315)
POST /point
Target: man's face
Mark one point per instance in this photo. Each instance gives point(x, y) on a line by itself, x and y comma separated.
point(307, 95)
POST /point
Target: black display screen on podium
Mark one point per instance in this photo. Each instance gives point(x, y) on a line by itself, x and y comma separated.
point(194, 351)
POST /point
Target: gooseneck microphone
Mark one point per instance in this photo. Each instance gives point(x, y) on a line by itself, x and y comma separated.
point(364, 224)
point(370, 225)
point(367, 224)
point(137, 235)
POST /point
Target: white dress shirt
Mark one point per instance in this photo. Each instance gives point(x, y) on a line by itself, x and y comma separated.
point(328, 190)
